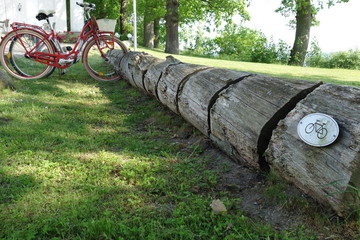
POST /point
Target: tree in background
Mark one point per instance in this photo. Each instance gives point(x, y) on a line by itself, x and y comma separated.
point(114, 9)
point(172, 26)
point(185, 12)
point(174, 12)
point(123, 20)
point(150, 12)
point(305, 12)
point(107, 9)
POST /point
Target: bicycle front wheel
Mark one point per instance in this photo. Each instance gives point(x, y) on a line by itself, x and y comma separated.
point(14, 54)
point(96, 64)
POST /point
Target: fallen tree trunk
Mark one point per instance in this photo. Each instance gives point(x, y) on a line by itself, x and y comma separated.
point(329, 174)
point(240, 111)
point(246, 113)
point(195, 104)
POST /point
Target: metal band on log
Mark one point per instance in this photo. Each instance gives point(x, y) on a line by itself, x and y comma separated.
point(241, 112)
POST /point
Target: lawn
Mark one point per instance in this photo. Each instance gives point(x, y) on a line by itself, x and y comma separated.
point(336, 76)
point(82, 159)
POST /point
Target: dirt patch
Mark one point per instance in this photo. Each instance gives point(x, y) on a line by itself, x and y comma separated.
point(291, 210)
point(4, 120)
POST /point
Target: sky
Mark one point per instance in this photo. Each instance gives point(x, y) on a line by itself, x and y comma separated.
point(338, 30)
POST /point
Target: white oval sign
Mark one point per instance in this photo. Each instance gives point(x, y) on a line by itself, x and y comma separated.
point(318, 129)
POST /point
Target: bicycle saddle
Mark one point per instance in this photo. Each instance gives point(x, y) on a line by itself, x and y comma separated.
point(42, 15)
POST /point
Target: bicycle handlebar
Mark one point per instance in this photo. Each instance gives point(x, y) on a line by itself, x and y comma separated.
point(86, 4)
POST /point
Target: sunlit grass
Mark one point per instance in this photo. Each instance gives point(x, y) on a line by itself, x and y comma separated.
point(82, 159)
point(336, 76)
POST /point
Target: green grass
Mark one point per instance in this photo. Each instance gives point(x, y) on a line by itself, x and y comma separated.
point(336, 76)
point(87, 160)
point(82, 159)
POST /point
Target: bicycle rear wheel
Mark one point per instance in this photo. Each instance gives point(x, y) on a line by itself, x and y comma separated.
point(95, 64)
point(14, 54)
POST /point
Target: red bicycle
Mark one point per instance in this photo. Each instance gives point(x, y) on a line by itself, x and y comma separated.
point(29, 52)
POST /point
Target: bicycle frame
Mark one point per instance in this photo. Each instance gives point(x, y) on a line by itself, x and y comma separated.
point(61, 59)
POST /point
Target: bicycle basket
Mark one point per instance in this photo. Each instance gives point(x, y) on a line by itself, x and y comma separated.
point(106, 25)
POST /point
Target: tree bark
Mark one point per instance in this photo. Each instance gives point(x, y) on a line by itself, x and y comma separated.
point(304, 18)
point(148, 30)
point(330, 174)
point(156, 32)
point(172, 27)
point(172, 80)
point(123, 16)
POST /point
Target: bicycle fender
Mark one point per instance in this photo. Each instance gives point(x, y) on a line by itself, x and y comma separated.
point(19, 29)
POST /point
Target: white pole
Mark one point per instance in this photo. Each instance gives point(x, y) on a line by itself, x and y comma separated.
point(135, 27)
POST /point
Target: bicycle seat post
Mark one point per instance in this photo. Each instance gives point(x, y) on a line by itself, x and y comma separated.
point(49, 23)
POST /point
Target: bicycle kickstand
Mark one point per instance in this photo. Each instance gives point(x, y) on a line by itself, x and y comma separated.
point(62, 72)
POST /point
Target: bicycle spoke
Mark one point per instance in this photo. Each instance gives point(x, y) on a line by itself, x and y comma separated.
point(98, 66)
point(17, 60)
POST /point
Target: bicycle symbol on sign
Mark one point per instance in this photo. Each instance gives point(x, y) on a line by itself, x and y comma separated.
point(319, 128)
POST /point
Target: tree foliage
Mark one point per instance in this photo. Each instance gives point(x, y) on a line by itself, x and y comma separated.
point(217, 10)
point(290, 7)
point(305, 16)
point(344, 59)
point(189, 12)
point(107, 9)
point(238, 43)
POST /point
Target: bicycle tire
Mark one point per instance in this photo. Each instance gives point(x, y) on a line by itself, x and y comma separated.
point(98, 67)
point(14, 59)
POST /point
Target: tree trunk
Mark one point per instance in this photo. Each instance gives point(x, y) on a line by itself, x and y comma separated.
point(123, 16)
point(304, 18)
point(156, 32)
point(172, 27)
point(148, 30)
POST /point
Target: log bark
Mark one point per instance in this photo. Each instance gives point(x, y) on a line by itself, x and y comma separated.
point(172, 80)
point(200, 92)
point(329, 174)
point(244, 115)
point(155, 72)
point(133, 66)
point(127, 66)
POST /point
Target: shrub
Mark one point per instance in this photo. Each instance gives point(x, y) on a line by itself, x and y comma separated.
point(67, 37)
point(240, 43)
point(348, 60)
point(345, 59)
